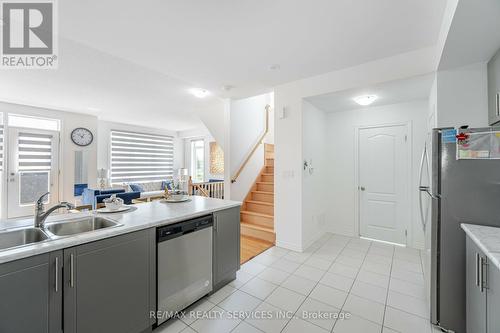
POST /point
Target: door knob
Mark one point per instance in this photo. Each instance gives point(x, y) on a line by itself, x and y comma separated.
point(362, 188)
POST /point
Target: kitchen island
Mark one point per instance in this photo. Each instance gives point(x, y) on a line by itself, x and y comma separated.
point(105, 280)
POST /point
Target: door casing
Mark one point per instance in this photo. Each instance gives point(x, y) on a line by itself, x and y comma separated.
point(357, 202)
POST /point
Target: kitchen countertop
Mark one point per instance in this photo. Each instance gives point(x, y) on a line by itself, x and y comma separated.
point(146, 215)
point(487, 239)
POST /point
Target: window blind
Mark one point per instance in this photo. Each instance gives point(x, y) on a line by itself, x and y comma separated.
point(35, 152)
point(138, 158)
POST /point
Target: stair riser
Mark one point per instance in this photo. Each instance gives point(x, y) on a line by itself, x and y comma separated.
point(259, 234)
point(265, 187)
point(263, 209)
point(266, 178)
point(270, 169)
point(270, 162)
point(263, 197)
point(257, 220)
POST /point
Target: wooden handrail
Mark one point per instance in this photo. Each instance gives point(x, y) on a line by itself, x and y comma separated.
point(254, 149)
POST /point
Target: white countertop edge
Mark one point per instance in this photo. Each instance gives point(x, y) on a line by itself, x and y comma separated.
point(493, 256)
point(70, 241)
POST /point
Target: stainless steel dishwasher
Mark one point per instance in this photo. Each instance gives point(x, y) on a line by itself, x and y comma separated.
point(184, 264)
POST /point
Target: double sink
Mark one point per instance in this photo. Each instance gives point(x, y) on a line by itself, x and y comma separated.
point(30, 235)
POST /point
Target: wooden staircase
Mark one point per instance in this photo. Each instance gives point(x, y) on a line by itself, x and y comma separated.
point(257, 212)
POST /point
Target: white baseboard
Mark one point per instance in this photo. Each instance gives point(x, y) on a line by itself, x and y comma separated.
point(289, 246)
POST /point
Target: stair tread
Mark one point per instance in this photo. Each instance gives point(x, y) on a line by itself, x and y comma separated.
point(266, 192)
point(267, 183)
point(257, 227)
point(256, 214)
point(265, 203)
point(268, 174)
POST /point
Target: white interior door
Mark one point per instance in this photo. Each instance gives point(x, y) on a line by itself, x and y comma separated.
point(383, 183)
point(33, 169)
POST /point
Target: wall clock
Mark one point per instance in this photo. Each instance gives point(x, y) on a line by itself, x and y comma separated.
point(82, 137)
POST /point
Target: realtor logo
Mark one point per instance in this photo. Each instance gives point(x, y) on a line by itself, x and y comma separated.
point(28, 30)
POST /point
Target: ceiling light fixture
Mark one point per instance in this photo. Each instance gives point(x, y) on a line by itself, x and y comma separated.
point(200, 93)
point(365, 99)
point(274, 67)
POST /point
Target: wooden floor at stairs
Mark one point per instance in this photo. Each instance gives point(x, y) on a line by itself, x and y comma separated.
point(250, 247)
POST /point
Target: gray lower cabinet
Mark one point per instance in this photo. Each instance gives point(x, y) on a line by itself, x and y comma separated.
point(31, 294)
point(475, 294)
point(108, 286)
point(493, 299)
point(483, 292)
point(226, 260)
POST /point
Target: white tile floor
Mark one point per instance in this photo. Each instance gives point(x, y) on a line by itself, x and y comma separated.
point(381, 288)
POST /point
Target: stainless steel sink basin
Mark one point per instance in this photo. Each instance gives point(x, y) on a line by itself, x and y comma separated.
point(77, 226)
point(20, 237)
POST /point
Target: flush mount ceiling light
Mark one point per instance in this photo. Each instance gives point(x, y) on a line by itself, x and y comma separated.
point(365, 99)
point(200, 93)
point(274, 67)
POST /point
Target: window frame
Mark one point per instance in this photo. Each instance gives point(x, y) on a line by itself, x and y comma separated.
point(192, 159)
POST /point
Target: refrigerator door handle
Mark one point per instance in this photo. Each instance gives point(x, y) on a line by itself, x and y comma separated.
point(424, 161)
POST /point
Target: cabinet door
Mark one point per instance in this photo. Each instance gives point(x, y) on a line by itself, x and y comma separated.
point(494, 89)
point(493, 299)
point(31, 301)
point(226, 246)
point(475, 296)
point(107, 285)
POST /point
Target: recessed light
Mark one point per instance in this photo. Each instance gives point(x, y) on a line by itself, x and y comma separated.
point(198, 92)
point(365, 99)
point(274, 67)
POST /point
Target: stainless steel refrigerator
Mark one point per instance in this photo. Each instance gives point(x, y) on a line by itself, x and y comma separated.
point(461, 191)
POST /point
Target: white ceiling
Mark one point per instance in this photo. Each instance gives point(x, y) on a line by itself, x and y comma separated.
point(393, 92)
point(135, 60)
point(474, 34)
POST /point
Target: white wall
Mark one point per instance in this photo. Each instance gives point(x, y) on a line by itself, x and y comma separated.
point(214, 120)
point(314, 181)
point(247, 124)
point(462, 96)
point(105, 128)
point(69, 121)
point(288, 131)
point(341, 176)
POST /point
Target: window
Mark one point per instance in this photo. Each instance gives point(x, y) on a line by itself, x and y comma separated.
point(139, 158)
point(16, 120)
point(198, 161)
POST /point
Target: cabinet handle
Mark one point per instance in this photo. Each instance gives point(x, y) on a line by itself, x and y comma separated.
point(483, 280)
point(71, 270)
point(56, 288)
point(497, 99)
point(215, 223)
point(477, 269)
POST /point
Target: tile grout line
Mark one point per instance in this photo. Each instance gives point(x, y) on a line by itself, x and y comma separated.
point(388, 288)
point(318, 282)
point(355, 278)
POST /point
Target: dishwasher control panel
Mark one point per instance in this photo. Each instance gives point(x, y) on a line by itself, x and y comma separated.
point(182, 228)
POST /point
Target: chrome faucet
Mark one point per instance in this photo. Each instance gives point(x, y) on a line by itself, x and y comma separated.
point(40, 213)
